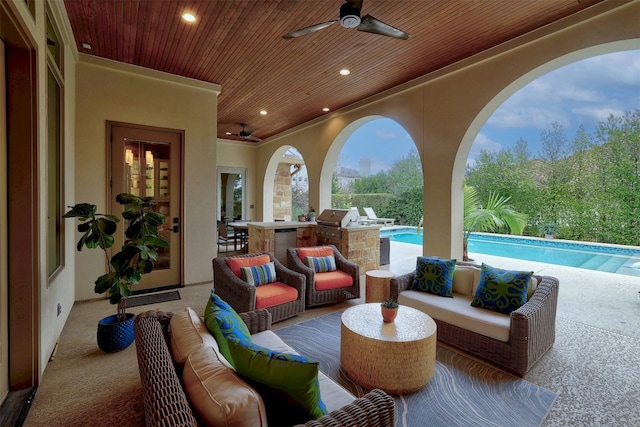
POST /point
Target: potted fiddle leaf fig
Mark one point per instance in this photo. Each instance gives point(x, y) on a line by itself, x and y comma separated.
point(124, 268)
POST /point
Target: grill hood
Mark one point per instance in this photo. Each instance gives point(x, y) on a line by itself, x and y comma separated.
point(338, 217)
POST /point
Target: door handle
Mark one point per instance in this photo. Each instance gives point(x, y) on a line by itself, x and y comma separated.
point(176, 229)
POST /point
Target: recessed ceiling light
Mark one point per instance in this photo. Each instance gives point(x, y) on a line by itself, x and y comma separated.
point(325, 109)
point(86, 46)
point(263, 112)
point(188, 17)
point(345, 72)
point(227, 133)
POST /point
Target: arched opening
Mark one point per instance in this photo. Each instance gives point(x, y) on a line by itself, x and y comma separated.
point(560, 147)
point(379, 168)
point(289, 189)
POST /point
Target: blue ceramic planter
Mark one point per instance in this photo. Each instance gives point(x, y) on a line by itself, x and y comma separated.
point(113, 335)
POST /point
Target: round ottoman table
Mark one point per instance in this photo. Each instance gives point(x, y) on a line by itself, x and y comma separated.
point(398, 357)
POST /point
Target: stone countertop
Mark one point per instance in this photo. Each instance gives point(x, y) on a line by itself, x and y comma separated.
point(281, 224)
point(301, 224)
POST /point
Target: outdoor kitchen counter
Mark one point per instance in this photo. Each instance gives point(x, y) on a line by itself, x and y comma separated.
point(273, 225)
point(358, 243)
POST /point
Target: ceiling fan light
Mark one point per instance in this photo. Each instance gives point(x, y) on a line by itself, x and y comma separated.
point(349, 16)
point(350, 21)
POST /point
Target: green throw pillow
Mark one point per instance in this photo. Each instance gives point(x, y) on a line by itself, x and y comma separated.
point(434, 275)
point(501, 290)
point(282, 378)
point(223, 321)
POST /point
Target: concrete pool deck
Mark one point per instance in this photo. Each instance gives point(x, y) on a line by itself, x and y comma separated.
point(606, 301)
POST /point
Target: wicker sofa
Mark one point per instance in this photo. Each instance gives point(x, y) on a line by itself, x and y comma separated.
point(166, 402)
point(530, 330)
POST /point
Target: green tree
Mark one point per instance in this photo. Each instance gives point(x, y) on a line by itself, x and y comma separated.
point(617, 202)
point(405, 174)
point(371, 184)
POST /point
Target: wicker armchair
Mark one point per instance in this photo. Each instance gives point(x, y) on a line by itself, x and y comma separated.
point(316, 297)
point(242, 296)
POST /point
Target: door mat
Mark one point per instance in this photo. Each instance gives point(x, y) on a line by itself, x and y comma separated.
point(139, 300)
point(462, 393)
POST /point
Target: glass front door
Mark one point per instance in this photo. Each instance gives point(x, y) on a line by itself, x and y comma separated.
point(146, 163)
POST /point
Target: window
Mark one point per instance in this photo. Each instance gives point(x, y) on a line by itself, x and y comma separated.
point(54, 146)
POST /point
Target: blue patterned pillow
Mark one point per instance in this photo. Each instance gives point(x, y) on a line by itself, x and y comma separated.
point(501, 290)
point(280, 377)
point(223, 321)
point(322, 264)
point(259, 274)
point(434, 275)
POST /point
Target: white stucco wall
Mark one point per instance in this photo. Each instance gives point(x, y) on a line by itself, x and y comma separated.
point(108, 91)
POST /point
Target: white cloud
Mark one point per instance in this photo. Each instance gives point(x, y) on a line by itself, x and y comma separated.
point(584, 92)
point(482, 142)
point(384, 134)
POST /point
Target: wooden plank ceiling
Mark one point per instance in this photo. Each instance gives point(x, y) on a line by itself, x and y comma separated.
point(238, 44)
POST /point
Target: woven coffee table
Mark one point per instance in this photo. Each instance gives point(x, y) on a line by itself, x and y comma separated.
point(398, 357)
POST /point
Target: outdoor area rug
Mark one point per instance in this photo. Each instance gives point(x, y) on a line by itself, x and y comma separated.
point(146, 299)
point(463, 392)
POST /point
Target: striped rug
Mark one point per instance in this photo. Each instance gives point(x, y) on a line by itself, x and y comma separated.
point(463, 392)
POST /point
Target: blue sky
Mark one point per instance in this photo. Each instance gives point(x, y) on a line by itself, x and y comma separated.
point(584, 92)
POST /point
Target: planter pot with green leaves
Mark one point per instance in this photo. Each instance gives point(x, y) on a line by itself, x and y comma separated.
point(389, 310)
point(124, 268)
point(549, 230)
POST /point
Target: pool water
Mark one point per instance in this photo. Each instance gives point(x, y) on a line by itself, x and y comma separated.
point(608, 258)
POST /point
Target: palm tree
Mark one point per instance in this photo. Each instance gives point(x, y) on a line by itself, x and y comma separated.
point(496, 215)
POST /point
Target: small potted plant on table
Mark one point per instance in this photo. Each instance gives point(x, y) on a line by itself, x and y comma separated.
point(389, 310)
point(126, 267)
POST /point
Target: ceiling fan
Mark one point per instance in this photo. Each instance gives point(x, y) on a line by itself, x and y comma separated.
point(350, 18)
point(246, 133)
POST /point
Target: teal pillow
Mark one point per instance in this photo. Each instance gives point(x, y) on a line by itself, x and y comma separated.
point(223, 321)
point(322, 264)
point(259, 274)
point(501, 290)
point(284, 378)
point(434, 275)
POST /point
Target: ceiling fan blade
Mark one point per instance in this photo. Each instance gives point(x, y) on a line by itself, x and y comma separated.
point(370, 24)
point(308, 30)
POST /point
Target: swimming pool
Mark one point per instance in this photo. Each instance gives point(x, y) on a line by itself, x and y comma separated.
point(608, 258)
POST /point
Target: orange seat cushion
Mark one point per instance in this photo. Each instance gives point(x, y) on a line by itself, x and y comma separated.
point(273, 294)
point(314, 251)
point(235, 264)
point(332, 280)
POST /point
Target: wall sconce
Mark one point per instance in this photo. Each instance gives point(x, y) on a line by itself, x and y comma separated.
point(128, 157)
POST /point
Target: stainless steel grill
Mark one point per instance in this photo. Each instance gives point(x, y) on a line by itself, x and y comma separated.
point(330, 223)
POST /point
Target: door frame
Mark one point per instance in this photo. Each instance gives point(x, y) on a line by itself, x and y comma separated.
point(111, 193)
point(232, 171)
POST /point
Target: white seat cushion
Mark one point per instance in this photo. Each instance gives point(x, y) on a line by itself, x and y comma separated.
point(457, 311)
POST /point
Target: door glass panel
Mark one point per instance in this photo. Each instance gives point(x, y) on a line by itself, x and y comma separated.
point(148, 175)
